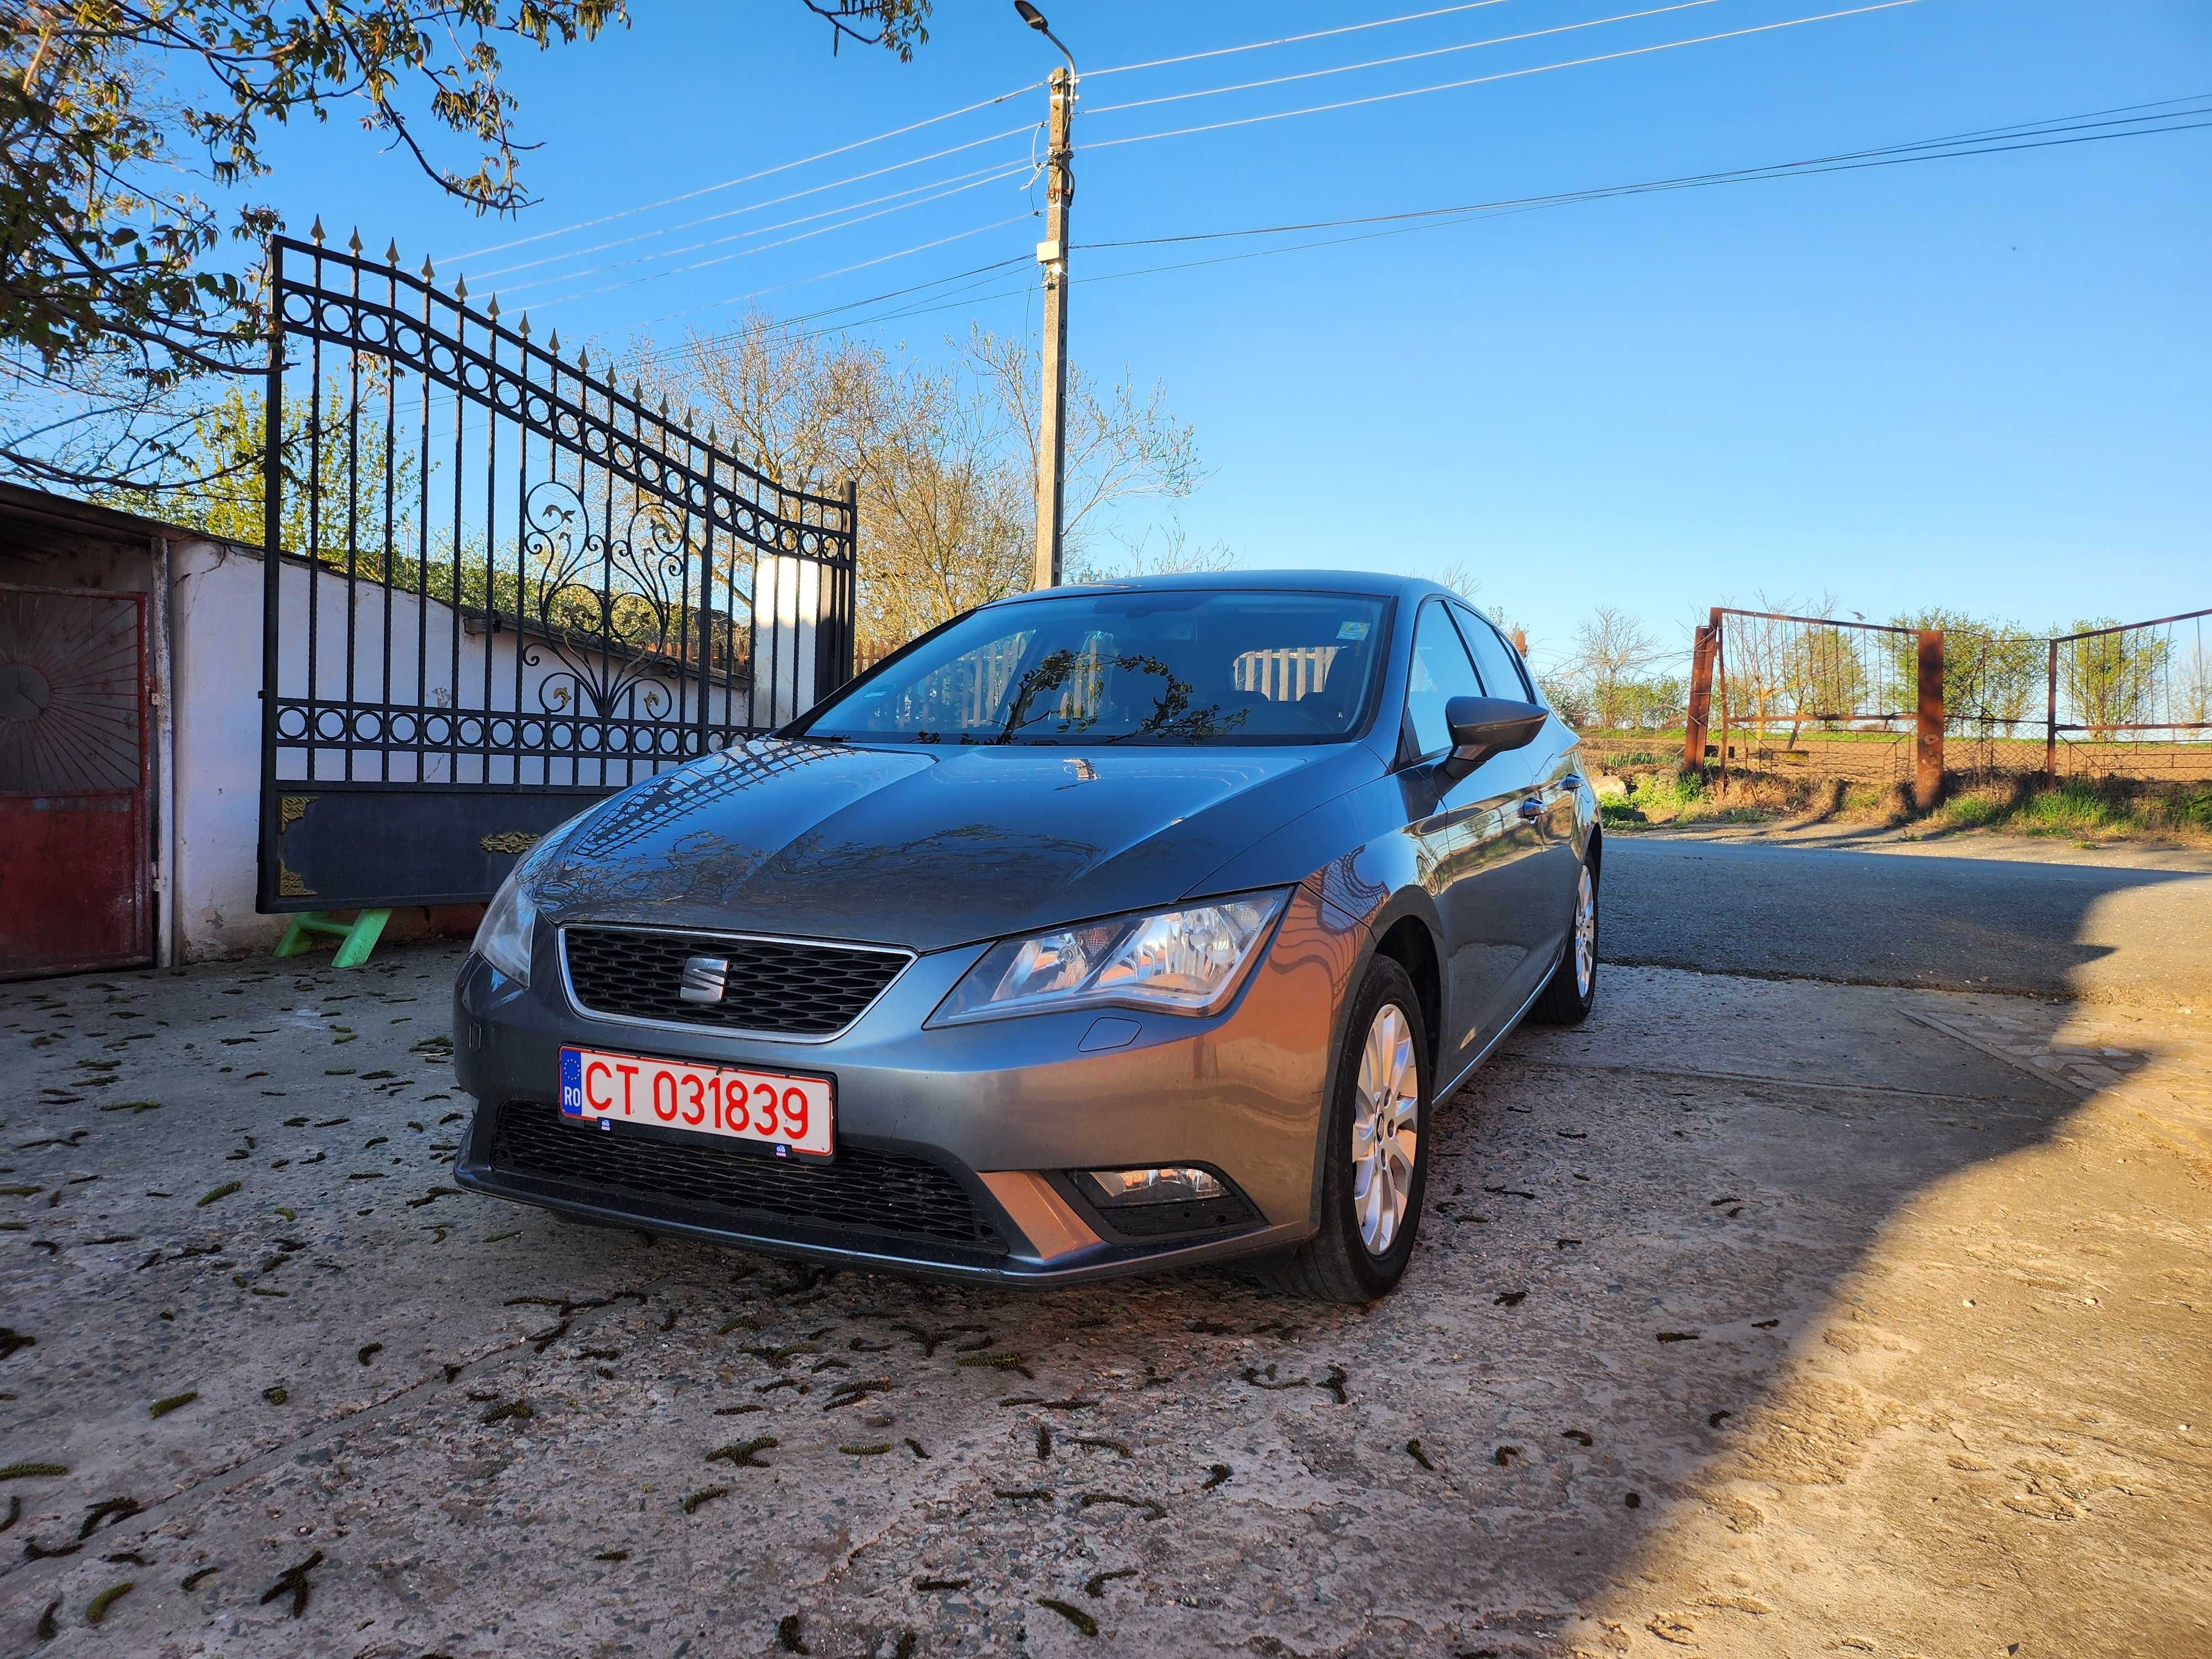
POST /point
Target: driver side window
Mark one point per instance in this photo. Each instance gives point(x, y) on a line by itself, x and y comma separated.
point(1441, 671)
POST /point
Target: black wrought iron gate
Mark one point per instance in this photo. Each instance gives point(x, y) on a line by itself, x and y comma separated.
point(504, 587)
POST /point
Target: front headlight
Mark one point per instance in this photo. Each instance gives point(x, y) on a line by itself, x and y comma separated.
point(1181, 962)
point(503, 936)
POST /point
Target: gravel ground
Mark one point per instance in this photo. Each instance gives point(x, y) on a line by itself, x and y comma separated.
point(1755, 1318)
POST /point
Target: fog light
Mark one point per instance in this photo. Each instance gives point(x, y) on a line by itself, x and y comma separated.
point(1121, 1189)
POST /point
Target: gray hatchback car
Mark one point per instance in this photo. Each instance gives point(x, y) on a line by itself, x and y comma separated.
point(1101, 930)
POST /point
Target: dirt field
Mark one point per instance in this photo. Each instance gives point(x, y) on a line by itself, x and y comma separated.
point(1758, 1318)
point(1888, 756)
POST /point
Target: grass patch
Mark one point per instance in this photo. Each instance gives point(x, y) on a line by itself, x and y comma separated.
point(2081, 809)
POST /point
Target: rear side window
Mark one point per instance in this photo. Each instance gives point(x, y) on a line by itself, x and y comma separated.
point(1441, 671)
point(1502, 674)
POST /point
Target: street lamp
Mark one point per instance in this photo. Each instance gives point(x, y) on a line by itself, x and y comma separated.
point(1034, 19)
point(1052, 256)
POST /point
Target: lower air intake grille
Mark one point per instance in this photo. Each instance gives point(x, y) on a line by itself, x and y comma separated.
point(778, 987)
point(884, 1193)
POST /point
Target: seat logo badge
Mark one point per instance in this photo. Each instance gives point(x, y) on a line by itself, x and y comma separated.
point(705, 978)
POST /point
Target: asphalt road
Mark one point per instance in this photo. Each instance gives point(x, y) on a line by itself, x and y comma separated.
point(2094, 930)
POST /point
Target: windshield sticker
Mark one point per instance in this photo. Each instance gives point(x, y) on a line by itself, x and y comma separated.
point(1351, 630)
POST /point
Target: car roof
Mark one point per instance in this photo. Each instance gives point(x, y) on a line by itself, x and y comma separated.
point(1374, 582)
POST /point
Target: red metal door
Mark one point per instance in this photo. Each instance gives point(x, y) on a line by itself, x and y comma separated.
point(74, 768)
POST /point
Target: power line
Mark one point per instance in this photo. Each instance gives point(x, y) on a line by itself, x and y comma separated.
point(2035, 135)
point(1293, 39)
point(743, 253)
point(2051, 132)
point(746, 179)
point(819, 276)
point(1880, 6)
point(921, 311)
point(2050, 136)
point(664, 352)
point(877, 173)
point(1402, 58)
point(1139, 138)
point(1504, 74)
point(716, 218)
point(1819, 163)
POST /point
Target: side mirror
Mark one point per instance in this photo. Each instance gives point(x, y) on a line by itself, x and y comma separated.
point(1483, 726)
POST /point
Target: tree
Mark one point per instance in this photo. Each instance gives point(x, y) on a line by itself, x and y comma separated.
point(1611, 648)
point(1824, 677)
point(2193, 686)
point(1992, 671)
point(1459, 575)
point(1569, 700)
point(229, 505)
point(943, 458)
point(1174, 555)
point(1654, 703)
point(1765, 664)
point(899, 25)
point(1120, 444)
point(113, 296)
point(2112, 678)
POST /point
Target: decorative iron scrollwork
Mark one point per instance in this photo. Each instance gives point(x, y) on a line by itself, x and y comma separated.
point(612, 611)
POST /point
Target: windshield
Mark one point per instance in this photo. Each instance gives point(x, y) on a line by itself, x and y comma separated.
point(1175, 667)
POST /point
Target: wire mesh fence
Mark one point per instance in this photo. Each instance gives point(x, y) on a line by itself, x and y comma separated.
point(1886, 703)
point(2132, 702)
point(1813, 694)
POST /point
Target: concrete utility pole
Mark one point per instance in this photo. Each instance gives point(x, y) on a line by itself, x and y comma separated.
point(1052, 256)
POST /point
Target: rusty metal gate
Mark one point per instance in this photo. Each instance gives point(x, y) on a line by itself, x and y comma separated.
point(505, 588)
point(1770, 686)
point(75, 766)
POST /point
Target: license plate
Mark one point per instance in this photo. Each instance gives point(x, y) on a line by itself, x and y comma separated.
point(792, 1115)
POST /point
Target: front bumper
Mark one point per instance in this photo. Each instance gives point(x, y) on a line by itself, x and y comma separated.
point(1001, 1108)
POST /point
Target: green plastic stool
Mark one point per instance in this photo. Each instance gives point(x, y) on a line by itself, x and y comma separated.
point(356, 939)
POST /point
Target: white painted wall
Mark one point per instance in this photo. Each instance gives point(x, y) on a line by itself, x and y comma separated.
point(787, 600)
point(214, 658)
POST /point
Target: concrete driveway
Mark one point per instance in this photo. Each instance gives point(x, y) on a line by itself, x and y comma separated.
point(1759, 1316)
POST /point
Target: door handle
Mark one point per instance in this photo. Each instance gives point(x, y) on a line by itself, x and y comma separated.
point(1532, 808)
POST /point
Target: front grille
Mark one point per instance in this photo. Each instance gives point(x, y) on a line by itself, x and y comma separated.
point(883, 1193)
point(773, 987)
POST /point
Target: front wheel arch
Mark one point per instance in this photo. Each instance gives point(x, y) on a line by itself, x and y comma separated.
point(1408, 944)
point(1332, 1265)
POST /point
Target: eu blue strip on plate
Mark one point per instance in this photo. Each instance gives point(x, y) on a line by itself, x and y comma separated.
point(572, 1082)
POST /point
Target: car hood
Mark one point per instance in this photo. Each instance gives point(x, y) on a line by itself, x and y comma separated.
point(926, 847)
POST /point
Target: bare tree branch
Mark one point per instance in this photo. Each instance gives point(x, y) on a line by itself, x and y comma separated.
point(114, 294)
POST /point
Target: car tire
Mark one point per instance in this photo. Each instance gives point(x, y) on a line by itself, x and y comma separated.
point(1367, 1234)
point(1571, 992)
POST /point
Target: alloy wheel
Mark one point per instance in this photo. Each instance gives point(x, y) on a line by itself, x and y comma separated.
point(1385, 1129)
point(1585, 934)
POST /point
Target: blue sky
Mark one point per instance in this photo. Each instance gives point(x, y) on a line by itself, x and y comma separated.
point(1980, 383)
